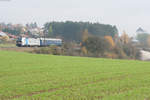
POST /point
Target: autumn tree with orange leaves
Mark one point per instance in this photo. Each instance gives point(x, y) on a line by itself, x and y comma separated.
point(148, 41)
point(110, 41)
point(125, 38)
point(85, 35)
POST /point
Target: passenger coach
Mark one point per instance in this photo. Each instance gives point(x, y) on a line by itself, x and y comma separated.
point(31, 42)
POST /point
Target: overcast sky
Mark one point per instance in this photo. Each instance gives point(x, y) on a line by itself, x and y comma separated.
point(125, 14)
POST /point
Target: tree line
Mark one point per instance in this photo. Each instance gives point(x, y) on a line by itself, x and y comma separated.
point(72, 31)
point(96, 46)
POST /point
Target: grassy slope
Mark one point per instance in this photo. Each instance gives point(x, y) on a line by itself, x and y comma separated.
point(26, 76)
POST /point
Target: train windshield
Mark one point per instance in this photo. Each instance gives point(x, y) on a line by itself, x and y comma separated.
point(19, 39)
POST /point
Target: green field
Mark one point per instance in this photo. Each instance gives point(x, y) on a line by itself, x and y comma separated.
point(25, 76)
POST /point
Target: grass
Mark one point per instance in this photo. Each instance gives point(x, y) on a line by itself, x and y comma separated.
point(26, 76)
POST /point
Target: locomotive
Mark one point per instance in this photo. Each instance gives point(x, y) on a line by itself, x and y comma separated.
point(39, 42)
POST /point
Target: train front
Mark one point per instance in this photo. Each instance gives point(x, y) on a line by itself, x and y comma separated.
point(19, 42)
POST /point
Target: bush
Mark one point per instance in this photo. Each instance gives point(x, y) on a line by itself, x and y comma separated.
point(131, 51)
point(56, 50)
point(48, 50)
point(110, 55)
point(96, 45)
point(120, 53)
point(42, 50)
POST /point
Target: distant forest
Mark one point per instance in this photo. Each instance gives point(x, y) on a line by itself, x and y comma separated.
point(68, 31)
point(72, 31)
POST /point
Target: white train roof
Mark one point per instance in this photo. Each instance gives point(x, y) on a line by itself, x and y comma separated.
point(50, 39)
point(54, 39)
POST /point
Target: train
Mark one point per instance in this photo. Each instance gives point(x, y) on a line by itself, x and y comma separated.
point(37, 42)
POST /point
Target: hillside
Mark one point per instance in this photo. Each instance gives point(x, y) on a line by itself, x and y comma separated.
point(25, 76)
